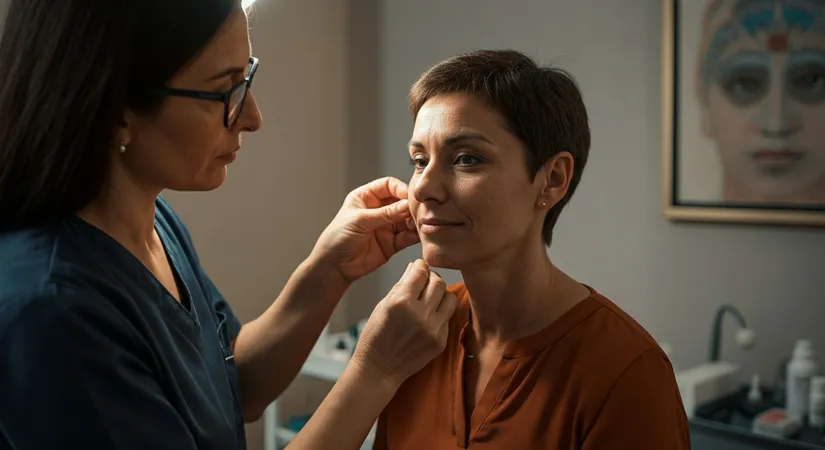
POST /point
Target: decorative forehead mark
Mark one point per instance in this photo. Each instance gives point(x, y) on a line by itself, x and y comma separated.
point(770, 16)
point(777, 39)
point(789, 16)
point(777, 43)
point(768, 23)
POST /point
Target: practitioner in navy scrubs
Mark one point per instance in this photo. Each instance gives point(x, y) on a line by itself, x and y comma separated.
point(112, 336)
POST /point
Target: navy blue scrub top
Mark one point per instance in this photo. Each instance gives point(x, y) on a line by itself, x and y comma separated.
point(96, 354)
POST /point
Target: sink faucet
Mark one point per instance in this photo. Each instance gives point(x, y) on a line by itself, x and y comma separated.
point(744, 337)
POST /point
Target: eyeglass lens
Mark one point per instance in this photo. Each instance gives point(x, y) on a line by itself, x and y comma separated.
point(236, 102)
point(238, 97)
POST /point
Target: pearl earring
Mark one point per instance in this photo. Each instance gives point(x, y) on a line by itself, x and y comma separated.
point(543, 203)
point(122, 148)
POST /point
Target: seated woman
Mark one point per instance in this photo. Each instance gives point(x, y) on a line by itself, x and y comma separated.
point(535, 359)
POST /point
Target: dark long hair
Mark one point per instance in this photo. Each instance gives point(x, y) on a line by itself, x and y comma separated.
point(68, 71)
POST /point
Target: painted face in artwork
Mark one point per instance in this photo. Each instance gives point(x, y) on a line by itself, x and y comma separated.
point(762, 86)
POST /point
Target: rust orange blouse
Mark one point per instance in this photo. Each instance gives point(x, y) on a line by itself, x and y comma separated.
point(594, 379)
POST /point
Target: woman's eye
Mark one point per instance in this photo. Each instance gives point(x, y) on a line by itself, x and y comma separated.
point(808, 85)
point(744, 89)
point(418, 162)
point(744, 84)
point(467, 160)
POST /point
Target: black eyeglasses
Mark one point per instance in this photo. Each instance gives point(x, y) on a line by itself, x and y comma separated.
point(233, 99)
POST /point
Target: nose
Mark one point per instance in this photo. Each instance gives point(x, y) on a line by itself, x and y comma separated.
point(429, 185)
point(778, 115)
point(251, 119)
point(780, 133)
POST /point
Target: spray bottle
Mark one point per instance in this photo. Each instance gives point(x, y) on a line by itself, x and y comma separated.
point(801, 369)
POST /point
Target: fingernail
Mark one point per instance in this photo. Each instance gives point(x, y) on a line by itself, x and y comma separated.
point(411, 224)
point(407, 269)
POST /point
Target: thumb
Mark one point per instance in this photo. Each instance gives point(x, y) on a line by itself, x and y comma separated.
point(385, 215)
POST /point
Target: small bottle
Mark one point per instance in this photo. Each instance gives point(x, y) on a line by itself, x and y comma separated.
point(816, 410)
point(755, 392)
point(801, 369)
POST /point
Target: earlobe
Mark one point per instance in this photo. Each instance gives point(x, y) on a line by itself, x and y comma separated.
point(123, 136)
point(546, 193)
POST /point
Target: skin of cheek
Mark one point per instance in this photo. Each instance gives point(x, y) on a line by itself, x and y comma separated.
point(498, 213)
point(177, 149)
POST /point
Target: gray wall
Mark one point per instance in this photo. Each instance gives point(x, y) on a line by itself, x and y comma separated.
point(669, 276)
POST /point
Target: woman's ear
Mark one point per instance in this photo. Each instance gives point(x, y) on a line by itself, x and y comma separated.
point(125, 131)
point(555, 176)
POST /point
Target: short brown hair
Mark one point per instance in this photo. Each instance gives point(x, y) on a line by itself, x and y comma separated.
point(541, 106)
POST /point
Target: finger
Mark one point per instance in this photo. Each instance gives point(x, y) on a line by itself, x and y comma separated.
point(404, 239)
point(407, 225)
point(421, 266)
point(447, 305)
point(434, 291)
point(382, 189)
point(389, 201)
point(415, 280)
point(389, 215)
point(400, 281)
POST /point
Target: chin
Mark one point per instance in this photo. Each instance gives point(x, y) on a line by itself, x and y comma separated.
point(207, 181)
point(442, 257)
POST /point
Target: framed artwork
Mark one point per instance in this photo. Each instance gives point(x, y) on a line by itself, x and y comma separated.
point(744, 111)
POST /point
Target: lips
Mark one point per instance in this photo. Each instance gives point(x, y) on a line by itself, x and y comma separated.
point(432, 225)
point(777, 156)
point(229, 156)
point(437, 222)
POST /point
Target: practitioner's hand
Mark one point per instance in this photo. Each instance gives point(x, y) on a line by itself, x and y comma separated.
point(370, 227)
point(408, 328)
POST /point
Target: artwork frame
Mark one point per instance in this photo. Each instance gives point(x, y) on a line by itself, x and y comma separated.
point(676, 206)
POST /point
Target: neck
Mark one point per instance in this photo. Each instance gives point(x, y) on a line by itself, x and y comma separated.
point(125, 210)
point(511, 294)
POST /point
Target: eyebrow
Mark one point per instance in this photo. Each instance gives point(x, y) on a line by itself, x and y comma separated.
point(227, 72)
point(455, 139)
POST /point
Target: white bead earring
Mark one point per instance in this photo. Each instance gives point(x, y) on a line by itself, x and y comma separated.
point(543, 203)
point(122, 148)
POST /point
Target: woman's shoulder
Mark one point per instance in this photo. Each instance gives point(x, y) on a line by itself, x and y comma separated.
point(35, 316)
point(69, 252)
point(50, 272)
point(616, 328)
point(60, 268)
point(28, 258)
point(607, 342)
